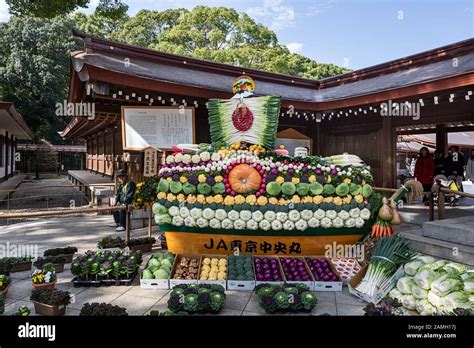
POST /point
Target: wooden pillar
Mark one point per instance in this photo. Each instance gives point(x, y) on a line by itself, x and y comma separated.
point(113, 149)
point(317, 140)
point(441, 139)
point(6, 155)
point(387, 153)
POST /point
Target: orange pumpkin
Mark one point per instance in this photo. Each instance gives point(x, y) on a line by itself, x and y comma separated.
point(244, 179)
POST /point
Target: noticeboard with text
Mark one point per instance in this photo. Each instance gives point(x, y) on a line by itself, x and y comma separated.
point(156, 126)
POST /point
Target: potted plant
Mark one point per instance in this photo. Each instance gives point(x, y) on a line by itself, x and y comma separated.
point(5, 283)
point(23, 311)
point(67, 252)
point(102, 309)
point(19, 264)
point(2, 304)
point(111, 243)
point(5, 266)
point(50, 302)
point(57, 262)
point(143, 244)
point(45, 277)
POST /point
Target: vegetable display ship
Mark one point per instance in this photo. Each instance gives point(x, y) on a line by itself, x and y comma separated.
point(239, 193)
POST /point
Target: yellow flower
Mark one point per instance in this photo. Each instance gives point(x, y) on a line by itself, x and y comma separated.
point(317, 199)
point(308, 199)
point(337, 200)
point(229, 200)
point(295, 180)
point(139, 200)
point(251, 199)
point(181, 197)
point(170, 197)
point(210, 199)
point(161, 195)
point(280, 180)
point(273, 200)
point(347, 181)
point(191, 199)
point(139, 184)
point(282, 201)
point(262, 200)
point(218, 178)
point(359, 199)
point(202, 178)
point(183, 179)
point(328, 199)
point(239, 199)
point(169, 179)
point(218, 199)
point(312, 178)
point(201, 198)
point(295, 199)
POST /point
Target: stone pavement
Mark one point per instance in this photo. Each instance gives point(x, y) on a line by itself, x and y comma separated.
point(84, 232)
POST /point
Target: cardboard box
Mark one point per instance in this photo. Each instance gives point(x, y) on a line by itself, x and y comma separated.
point(310, 283)
point(324, 285)
point(350, 268)
point(280, 282)
point(220, 282)
point(243, 285)
point(154, 284)
point(380, 293)
point(177, 260)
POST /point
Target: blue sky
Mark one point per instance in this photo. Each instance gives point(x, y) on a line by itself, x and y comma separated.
point(352, 33)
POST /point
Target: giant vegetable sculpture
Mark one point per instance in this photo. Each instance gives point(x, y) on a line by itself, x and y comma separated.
point(239, 184)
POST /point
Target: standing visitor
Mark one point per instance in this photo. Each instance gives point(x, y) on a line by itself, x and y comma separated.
point(439, 163)
point(424, 169)
point(123, 196)
point(470, 167)
point(454, 166)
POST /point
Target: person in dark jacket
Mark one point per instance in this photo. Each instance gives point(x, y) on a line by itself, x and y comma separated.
point(439, 163)
point(424, 169)
point(454, 166)
point(123, 196)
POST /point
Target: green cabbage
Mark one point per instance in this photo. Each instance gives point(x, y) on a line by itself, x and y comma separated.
point(405, 284)
point(447, 283)
point(424, 277)
point(409, 302)
point(457, 299)
point(435, 300)
point(424, 307)
point(147, 274)
point(161, 274)
point(419, 293)
point(412, 267)
point(469, 284)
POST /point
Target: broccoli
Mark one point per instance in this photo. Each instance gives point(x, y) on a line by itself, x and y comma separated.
point(309, 300)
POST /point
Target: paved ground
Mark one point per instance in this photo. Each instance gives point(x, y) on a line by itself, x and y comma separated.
point(84, 232)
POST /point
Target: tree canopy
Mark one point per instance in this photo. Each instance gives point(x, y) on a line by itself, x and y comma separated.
point(35, 42)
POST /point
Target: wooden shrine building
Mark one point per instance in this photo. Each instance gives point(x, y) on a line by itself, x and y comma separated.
point(340, 114)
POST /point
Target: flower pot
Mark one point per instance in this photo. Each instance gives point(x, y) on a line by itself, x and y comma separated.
point(68, 257)
point(5, 291)
point(45, 285)
point(59, 268)
point(44, 309)
point(20, 267)
point(145, 248)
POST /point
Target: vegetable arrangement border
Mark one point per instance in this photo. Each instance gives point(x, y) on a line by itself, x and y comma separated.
point(308, 232)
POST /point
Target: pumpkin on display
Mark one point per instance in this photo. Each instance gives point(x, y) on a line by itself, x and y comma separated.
point(244, 179)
